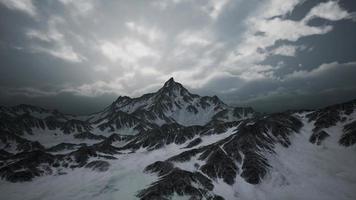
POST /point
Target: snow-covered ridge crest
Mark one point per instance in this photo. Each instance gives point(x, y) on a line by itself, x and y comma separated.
point(137, 148)
point(175, 104)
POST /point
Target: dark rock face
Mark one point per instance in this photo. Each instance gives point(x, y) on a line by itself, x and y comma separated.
point(234, 114)
point(251, 139)
point(329, 116)
point(21, 176)
point(174, 180)
point(52, 123)
point(105, 148)
point(117, 137)
point(19, 124)
point(218, 164)
point(194, 143)
point(254, 168)
point(89, 135)
point(247, 145)
point(349, 136)
point(160, 167)
point(318, 137)
point(186, 155)
point(25, 166)
point(217, 127)
point(27, 122)
point(114, 138)
point(98, 165)
point(82, 155)
point(28, 108)
point(243, 151)
point(116, 120)
point(64, 146)
point(23, 118)
point(19, 119)
point(12, 141)
point(324, 119)
point(4, 154)
point(175, 133)
point(164, 135)
point(157, 108)
point(74, 125)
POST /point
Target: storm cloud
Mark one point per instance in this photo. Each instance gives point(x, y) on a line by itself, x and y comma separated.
point(79, 55)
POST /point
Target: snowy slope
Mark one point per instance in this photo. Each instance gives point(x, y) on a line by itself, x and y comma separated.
point(230, 153)
point(302, 170)
point(170, 104)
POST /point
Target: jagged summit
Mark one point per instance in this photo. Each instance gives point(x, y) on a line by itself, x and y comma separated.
point(170, 82)
point(175, 89)
point(236, 152)
point(169, 86)
point(172, 103)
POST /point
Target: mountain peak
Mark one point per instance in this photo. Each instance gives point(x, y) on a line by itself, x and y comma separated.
point(171, 87)
point(170, 82)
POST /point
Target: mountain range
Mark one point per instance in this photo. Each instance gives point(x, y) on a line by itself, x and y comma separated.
point(172, 144)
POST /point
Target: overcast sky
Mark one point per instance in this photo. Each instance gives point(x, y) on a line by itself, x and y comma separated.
point(80, 55)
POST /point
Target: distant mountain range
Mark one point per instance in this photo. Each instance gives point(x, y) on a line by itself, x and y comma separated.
point(173, 144)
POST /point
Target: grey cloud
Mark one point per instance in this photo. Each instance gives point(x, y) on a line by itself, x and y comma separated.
point(96, 50)
point(327, 83)
point(25, 6)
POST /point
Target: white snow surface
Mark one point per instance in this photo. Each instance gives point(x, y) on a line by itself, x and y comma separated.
point(122, 181)
point(49, 138)
point(179, 111)
point(301, 171)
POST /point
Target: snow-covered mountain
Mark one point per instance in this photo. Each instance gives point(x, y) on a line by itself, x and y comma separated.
point(170, 104)
point(172, 144)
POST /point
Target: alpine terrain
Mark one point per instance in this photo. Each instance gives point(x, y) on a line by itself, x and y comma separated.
point(172, 144)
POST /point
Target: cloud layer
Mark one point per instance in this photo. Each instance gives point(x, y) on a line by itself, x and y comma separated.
point(247, 52)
